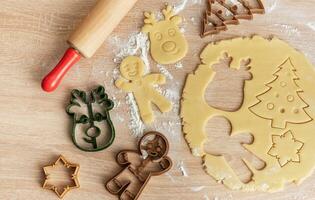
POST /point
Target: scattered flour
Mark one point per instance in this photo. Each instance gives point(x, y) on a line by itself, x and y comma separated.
point(137, 44)
point(194, 21)
point(206, 197)
point(169, 123)
point(165, 72)
point(270, 5)
point(120, 119)
point(228, 197)
point(179, 65)
point(182, 30)
point(180, 166)
point(171, 94)
point(299, 197)
point(311, 25)
point(181, 6)
point(288, 29)
point(235, 2)
point(117, 102)
point(159, 16)
point(197, 189)
point(136, 125)
point(184, 3)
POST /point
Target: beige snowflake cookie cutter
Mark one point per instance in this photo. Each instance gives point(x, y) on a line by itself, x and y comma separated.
point(67, 188)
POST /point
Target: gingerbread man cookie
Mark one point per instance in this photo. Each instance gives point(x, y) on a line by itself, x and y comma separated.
point(132, 70)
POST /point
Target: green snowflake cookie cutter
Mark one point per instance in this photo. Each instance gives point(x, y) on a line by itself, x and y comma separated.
point(79, 100)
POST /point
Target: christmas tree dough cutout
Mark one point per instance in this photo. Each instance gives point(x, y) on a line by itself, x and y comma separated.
point(281, 102)
point(286, 148)
point(168, 43)
point(142, 86)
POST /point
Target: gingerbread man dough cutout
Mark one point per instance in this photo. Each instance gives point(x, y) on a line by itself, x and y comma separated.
point(139, 166)
point(132, 69)
point(231, 146)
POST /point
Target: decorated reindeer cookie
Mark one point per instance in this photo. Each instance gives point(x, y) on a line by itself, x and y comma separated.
point(168, 44)
point(139, 166)
point(132, 69)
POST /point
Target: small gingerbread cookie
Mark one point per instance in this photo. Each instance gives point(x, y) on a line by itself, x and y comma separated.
point(132, 69)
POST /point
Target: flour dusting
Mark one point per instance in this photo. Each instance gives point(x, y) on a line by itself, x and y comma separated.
point(165, 72)
point(180, 166)
point(311, 25)
point(136, 125)
point(270, 5)
point(236, 2)
point(197, 189)
point(206, 197)
point(184, 3)
point(179, 65)
point(181, 6)
point(137, 44)
point(288, 29)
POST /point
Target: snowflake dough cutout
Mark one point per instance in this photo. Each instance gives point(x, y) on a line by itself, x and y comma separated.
point(286, 148)
point(277, 110)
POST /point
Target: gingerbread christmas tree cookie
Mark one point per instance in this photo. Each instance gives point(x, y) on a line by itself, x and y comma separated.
point(259, 93)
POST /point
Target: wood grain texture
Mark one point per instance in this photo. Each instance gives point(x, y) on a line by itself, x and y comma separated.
point(35, 128)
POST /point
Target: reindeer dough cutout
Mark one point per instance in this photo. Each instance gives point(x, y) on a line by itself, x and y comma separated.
point(168, 44)
point(226, 83)
point(132, 69)
point(139, 166)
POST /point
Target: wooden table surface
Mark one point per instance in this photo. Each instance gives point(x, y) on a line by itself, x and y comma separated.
point(35, 128)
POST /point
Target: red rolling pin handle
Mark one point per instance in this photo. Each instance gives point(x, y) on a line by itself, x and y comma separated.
point(54, 78)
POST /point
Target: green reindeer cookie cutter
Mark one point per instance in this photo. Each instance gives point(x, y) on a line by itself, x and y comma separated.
point(79, 100)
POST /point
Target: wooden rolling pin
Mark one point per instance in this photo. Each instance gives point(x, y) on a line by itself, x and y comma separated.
point(88, 37)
